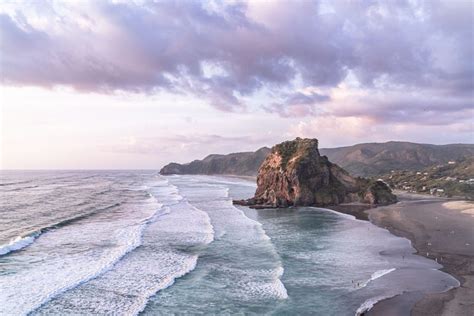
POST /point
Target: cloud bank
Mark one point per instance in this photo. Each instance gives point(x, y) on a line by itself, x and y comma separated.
point(383, 61)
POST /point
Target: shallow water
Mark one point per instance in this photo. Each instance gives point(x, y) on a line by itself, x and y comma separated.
point(129, 242)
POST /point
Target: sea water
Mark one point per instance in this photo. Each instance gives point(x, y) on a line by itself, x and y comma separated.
point(135, 242)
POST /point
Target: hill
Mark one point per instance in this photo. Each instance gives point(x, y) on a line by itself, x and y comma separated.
point(454, 179)
point(374, 159)
point(244, 163)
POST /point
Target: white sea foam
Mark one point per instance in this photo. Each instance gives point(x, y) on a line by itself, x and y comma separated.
point(243, 241)
point(368, 304)
point(67, 267)
point(376, 275)
point(17, 244)
point(148, 269)
point(21, 242)
point(278, 287)
point(348, 216)
point(381, 273)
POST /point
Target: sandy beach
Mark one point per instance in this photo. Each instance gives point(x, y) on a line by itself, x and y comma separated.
point(439, 229)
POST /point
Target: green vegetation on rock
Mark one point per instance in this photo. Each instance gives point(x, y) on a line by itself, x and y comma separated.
point(295, 174)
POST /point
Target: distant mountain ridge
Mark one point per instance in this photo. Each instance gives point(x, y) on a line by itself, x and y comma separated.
point(368, 159)
point(373, 159)
point(244, 164)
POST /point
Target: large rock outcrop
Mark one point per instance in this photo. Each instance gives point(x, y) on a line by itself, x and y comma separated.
point(294, 173)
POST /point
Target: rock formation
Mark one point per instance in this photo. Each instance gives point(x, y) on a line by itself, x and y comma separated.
point(295, 174)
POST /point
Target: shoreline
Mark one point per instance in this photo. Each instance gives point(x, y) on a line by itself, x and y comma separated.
point(436, 227)
point(439, 229)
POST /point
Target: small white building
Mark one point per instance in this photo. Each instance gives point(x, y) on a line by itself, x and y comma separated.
point(435, 190)
point(451, 162)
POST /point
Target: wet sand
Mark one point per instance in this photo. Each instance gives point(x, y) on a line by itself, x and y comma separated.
point(441, 230)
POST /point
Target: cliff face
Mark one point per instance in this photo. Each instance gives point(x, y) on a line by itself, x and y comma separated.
point(294, 173)
point(245, 163)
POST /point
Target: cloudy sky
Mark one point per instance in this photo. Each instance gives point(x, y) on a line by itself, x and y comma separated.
point(135, 84)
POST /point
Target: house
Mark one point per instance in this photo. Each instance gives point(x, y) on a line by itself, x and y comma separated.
point(451, 162)
point(435, 190)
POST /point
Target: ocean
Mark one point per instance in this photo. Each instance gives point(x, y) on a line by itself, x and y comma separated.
point(136, 242)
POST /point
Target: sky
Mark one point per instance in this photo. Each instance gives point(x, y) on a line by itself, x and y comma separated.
point(137, 84)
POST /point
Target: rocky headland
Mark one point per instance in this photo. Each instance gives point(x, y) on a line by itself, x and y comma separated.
point(295, 174)
point(242, 164)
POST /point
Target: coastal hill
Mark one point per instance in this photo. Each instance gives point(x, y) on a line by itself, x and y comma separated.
point(374, 159)
point(366, 160)
point(453, 179)
point(295, 174)
point(244, 164)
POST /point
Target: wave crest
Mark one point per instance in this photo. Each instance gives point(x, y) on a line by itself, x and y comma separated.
point(17, 243)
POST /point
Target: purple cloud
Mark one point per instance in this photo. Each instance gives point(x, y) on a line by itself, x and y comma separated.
point(386, 45)
point(298, 105)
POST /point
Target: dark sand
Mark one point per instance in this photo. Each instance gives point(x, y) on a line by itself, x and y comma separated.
point(438, 233)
